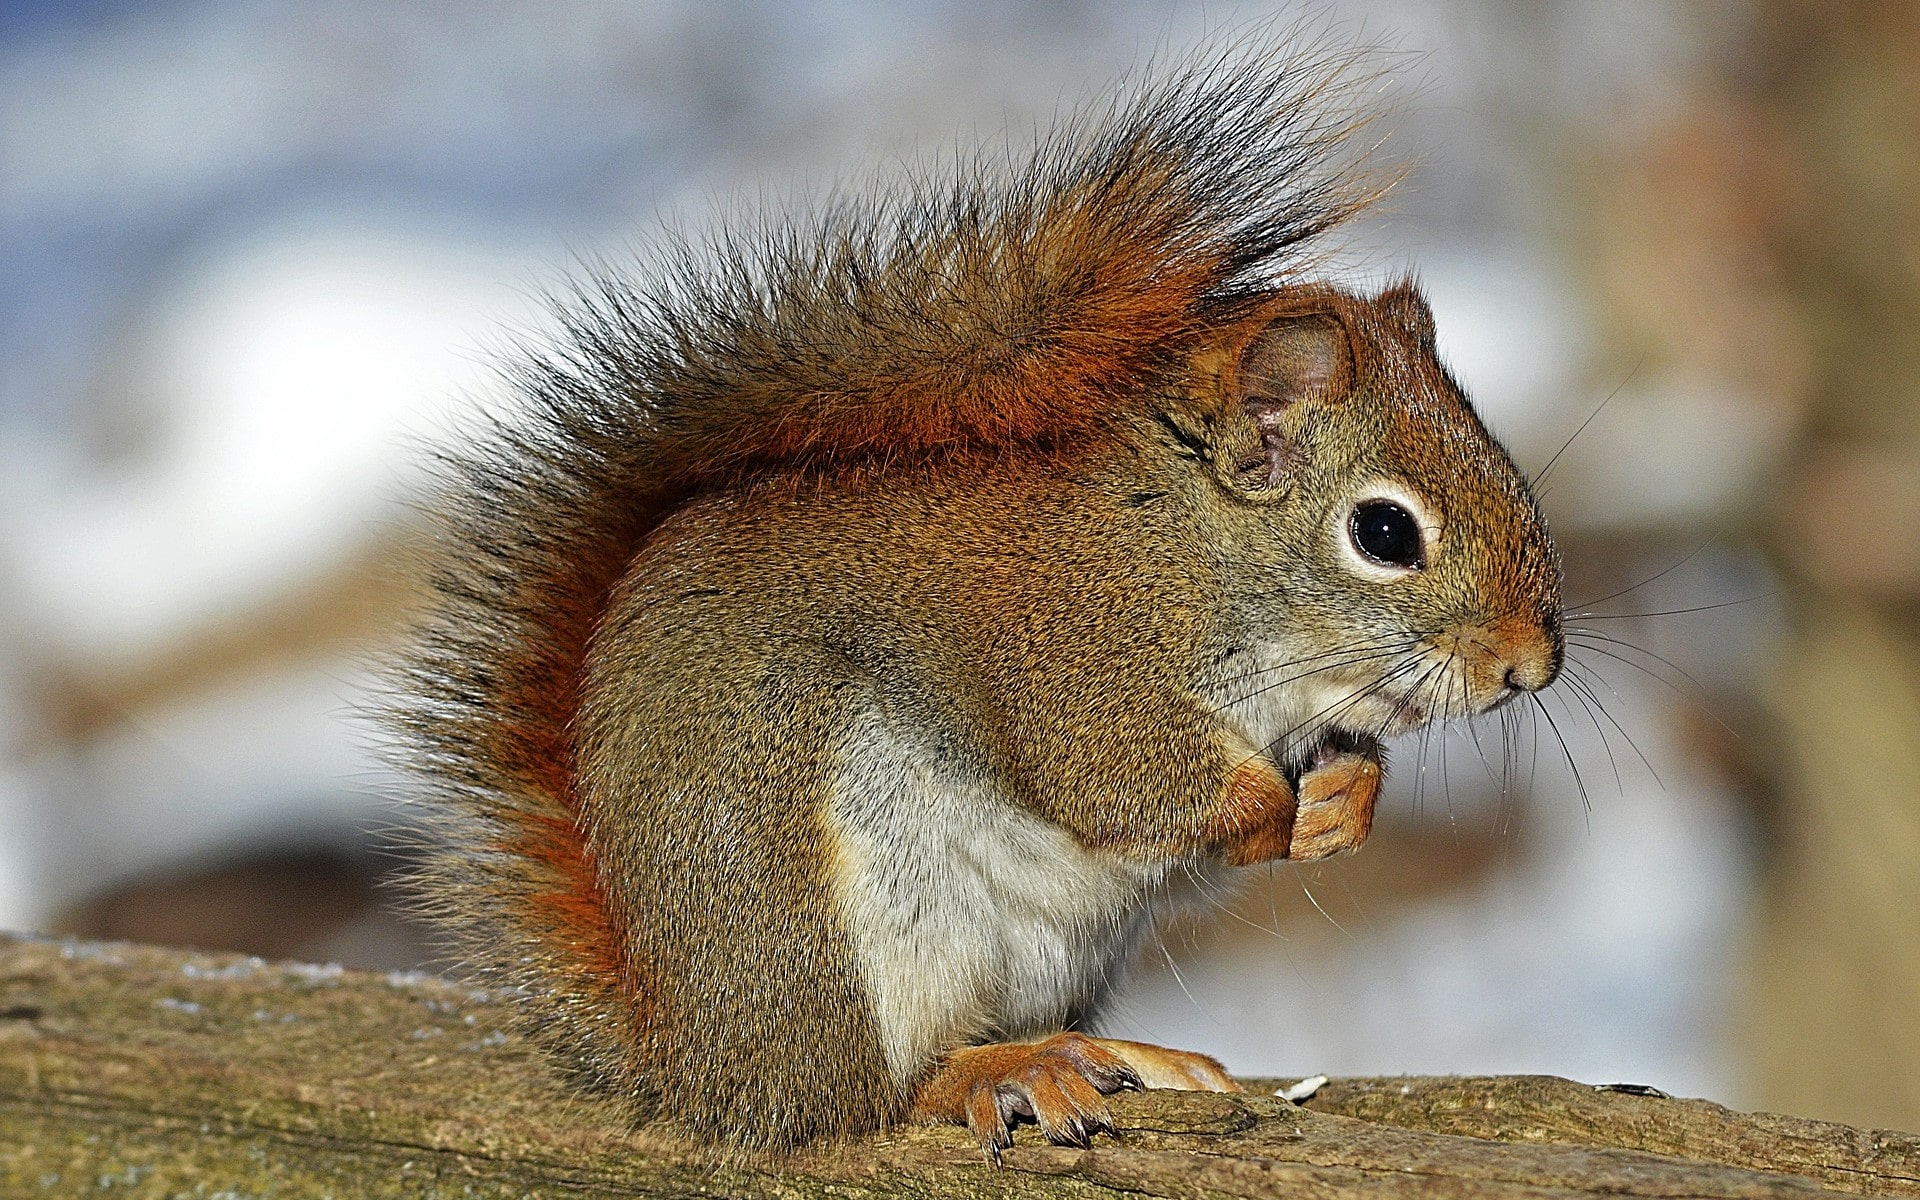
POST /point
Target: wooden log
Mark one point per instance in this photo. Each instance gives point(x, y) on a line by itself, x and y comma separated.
point(138, 1071)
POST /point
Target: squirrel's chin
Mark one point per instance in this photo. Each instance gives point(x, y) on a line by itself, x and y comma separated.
point(1387, 716)
point(1406, 717)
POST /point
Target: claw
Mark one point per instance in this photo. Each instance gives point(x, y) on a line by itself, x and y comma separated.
point(1061, 1084)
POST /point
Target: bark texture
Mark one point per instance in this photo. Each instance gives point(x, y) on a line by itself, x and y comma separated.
point(138, 1071)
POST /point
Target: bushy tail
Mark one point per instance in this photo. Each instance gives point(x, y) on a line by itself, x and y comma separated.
point(998, 306)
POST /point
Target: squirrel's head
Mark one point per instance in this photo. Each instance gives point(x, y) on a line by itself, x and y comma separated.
point(1384, 560)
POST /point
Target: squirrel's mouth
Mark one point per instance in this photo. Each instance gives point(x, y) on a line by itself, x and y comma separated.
point(1331, 745)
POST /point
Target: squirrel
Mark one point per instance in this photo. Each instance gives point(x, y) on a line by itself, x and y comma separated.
point(862, 623)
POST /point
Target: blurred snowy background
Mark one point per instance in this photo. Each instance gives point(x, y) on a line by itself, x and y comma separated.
point(258, 255)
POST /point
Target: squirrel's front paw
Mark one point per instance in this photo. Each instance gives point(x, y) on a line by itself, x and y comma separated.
point(1334, 809)
point(1060, 1083)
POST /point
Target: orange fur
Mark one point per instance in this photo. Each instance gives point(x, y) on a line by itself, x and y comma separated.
point(1255, 822)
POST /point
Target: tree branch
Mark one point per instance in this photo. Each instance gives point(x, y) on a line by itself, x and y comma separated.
point(155, 1072)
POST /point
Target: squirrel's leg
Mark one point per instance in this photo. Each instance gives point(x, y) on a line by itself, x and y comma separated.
point(1060, 1083)
point(1254, 822)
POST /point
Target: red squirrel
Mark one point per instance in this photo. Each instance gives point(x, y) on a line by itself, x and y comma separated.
point(862, 623)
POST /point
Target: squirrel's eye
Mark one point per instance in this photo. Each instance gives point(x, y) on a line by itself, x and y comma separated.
point(1388, 534)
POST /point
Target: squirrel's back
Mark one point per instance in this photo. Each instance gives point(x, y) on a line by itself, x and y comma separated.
point(998, 310)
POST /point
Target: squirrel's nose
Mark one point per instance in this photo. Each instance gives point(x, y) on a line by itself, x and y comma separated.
point(1531, 655)
point(1532, 667)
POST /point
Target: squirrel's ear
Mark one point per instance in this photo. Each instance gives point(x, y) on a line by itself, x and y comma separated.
point(1292, 358)
point(1406, 307)
point(1303, 356)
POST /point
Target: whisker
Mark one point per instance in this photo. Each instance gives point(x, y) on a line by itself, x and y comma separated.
point(1379, 731)
point(1509, 737)
point(1655, 578)
point(1700, 694)
point(1473, 730)
point(1353, 648)
point(1427, 731)
point(1217, 899)
point(1160, 942)
point(1592, 638)
point(1580, 694)
point(1420, 776)
point(1364, 651)
point(1346, 885)
point(1273, 898)
point(1595, 678)
point(1340, 706)
point(1446, 775)
point(1579, 783)
point(1315, 901)
point(1541, 478)
point(1533, 764)
point(1358, 659)
point(1580, 680)
point(1669, 612)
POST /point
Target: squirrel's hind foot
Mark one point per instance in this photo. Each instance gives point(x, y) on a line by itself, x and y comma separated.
point(1060, 1083)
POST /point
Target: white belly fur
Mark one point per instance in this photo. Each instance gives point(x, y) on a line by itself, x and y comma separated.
point(969, 916)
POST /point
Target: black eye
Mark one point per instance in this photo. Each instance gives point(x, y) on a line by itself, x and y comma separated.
point(1387, 533)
